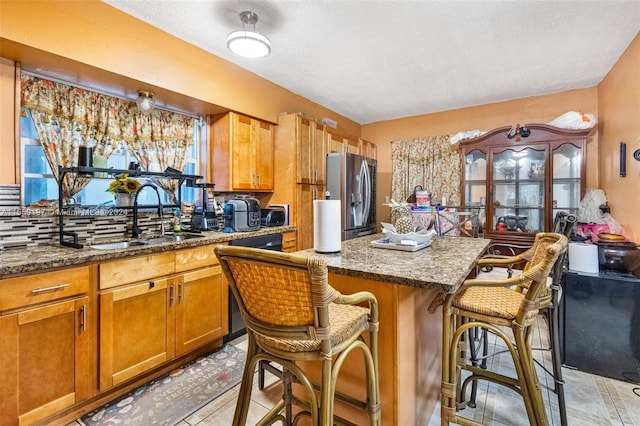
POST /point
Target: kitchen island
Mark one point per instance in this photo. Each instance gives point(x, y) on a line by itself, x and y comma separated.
point(410, 339)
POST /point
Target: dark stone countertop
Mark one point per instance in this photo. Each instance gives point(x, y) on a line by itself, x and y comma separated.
point(35, 259)
point(441, 267)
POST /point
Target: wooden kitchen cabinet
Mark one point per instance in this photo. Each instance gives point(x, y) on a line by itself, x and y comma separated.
point(522, 182)
point(289, 241)
point(306, 194)
point(302, 145)
point(46, 344)
point(335, 140)
point(160, 318)
point(242, 154)
point(368, 149)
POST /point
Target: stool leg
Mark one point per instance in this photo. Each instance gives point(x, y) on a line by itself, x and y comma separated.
point(244, 397)
point(531, 392)
point(554, 339)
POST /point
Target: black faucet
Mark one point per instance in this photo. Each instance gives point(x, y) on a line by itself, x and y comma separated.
point(136, 230)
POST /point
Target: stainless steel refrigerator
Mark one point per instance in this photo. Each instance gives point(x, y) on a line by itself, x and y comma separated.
point(352, 179)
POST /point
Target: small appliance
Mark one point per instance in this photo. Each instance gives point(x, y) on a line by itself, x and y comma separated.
point(273, 216)
point(204, 217)
point(241, 215)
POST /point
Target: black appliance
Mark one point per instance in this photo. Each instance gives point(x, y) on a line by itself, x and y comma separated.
point(272, 216)
point(600, 324)
point(241, 215)
point(351, 179)
point(266, 242)
point(204, 217)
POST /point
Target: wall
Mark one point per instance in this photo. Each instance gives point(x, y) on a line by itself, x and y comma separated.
point(538, 109)
point(619, 107)
point(7, 125)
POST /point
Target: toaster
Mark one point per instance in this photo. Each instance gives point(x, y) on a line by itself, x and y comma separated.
point(272, 217)
point(241, 215)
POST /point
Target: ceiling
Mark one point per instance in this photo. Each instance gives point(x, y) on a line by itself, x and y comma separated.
point(384, 59)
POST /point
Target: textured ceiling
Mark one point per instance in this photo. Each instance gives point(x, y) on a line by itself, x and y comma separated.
point(381, 59)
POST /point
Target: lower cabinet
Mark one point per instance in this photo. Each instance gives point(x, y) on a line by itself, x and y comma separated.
point(147, 323)
point(44, 360)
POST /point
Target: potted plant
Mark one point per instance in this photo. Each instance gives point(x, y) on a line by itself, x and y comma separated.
point(123, 189)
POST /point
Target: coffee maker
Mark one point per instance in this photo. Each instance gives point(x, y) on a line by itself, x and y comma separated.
point(204, 217)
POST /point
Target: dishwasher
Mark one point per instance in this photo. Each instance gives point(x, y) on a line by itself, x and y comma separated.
point(266, 242)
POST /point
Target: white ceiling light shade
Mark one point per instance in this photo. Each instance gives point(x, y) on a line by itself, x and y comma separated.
point(248, 44)
point(145, 101)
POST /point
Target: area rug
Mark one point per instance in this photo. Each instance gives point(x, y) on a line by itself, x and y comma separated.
point(170, 398)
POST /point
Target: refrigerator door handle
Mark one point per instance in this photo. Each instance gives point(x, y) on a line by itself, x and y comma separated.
point(366, 193)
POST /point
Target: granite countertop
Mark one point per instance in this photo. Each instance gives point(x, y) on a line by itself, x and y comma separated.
point(40, 258)
point(441, 267)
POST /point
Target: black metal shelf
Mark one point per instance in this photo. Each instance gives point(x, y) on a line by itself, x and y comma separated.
point(89, 173)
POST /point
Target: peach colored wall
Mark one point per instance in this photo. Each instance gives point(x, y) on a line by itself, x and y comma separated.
point(94, 33)
point(7, 112)
point(538, 109)
point(619, 107)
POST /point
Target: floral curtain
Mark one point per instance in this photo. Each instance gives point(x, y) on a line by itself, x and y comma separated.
point(430, 162)
point(163, 140)
point(68, 117)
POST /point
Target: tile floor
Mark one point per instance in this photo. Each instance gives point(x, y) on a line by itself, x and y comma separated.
point(591, 400)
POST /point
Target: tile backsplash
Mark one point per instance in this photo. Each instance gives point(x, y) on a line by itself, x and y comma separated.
point(26, 231)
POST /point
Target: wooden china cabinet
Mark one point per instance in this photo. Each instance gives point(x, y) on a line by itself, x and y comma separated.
point(523, 181)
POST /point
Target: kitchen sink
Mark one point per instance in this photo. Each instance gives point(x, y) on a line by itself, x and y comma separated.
point(172, 238)
point(118, 245)
point(151, 241)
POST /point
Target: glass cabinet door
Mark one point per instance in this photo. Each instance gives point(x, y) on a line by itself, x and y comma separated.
point(475, 178)
point(567, 165)
point(518, 180)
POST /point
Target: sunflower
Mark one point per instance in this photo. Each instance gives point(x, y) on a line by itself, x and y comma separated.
point(123, 184)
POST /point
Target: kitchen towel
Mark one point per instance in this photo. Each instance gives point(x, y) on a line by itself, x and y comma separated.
point(326, 226)
point(583, 257)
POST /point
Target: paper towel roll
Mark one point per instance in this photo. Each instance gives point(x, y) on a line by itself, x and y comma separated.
point(583, 257)
point(326, 226)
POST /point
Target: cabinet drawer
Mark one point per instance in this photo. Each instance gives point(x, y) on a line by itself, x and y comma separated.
point(44, 287)
point(119, 272)
point(289, 241)
point(196, 257)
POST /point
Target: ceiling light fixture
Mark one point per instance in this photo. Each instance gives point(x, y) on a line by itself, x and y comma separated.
point(145, 101)
point(248, 44)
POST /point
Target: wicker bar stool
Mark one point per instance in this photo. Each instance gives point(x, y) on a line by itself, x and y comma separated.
point(494, 305)
point(292, 314)
point(563, 224)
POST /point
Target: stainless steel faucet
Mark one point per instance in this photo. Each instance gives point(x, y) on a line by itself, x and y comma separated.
point(136, 231)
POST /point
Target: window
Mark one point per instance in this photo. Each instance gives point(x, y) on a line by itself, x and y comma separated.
point(38, 182)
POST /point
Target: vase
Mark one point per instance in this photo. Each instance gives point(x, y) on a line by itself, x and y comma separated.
point(123, 199)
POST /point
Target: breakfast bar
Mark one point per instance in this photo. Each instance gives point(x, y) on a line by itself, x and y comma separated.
point(404, 283)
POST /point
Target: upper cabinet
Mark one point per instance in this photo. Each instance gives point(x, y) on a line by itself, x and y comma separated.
point(524, 181)
point(311, 149)
point(242, 154)
point(9, 105)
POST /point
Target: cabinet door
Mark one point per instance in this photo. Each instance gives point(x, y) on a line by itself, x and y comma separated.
point(289, 242)
point(567, 179)
point(199, 308)
point(134, 335)
point(263, 155)
point(305, 136)
point(304, 216)
point(518, 190)
point(243, 170)
point(368, 149)
point(319, 164)
point(334, 141)
point(352, 144)
point(45, 356)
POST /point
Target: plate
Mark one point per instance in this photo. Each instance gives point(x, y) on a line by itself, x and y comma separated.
point(402, 247)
